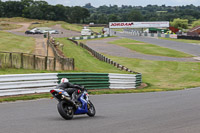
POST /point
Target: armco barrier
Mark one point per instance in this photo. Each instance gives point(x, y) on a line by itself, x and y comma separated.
point(105, 59)
point(88, 37)
point(27, 83)
point(89, 80)
point(124, 81)
point(36, 83)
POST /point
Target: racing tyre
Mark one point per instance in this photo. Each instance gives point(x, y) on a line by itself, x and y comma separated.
point(91, 109)
point(66, 111)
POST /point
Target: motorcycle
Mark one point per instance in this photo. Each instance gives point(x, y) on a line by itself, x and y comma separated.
point(67, 108)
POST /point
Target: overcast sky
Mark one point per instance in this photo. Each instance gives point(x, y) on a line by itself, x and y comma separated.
point(98, 3)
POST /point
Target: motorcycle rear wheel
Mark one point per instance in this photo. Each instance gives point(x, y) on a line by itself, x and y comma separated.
point(66, 111)
point(91, 109)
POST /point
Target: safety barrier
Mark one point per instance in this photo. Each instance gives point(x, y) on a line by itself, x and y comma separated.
point(88, 37)
point(27, 83)
point(36, 83)
point(139, 33)
point(89, 80)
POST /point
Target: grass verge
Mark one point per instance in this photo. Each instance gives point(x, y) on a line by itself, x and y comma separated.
point(165, 75)
point(14, 43)
point(17, 19)
point(73, 27)
point(181, 40)
point(149, 48)
point(43, 23)
point(6, 26)
point(84, 61)
point(91, 92)
point(24, 97)
point(4, 71)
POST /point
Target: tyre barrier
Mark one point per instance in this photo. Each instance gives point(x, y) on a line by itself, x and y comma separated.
point(18, 84)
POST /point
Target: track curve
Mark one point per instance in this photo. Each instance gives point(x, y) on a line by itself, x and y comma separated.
point(158, 112)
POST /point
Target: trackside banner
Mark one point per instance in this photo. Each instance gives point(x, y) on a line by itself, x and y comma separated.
point(120, 24)
point(158, 24)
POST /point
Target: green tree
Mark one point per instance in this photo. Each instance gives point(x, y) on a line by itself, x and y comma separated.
point(135, 15)
point(180, 23)
point(1, 9)
point(113, 18)
point(196, 23)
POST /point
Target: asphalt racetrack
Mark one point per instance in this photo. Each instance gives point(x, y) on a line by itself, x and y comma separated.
point(155, 112)
point(193, 49)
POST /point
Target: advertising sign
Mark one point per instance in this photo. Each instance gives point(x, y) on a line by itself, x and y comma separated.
point(120, 24)
point(158, 24)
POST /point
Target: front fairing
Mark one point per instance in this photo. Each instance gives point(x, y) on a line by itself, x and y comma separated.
point(84, 100)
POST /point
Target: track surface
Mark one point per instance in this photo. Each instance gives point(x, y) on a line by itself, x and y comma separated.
point(193, 49)
point(103, 46)
point(158, 112)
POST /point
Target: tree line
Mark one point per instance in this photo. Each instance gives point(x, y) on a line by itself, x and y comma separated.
point(42, 10)
point(99, 15)
point(113, 13)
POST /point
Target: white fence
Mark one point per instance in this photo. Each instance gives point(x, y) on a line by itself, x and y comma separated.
point(27, 83)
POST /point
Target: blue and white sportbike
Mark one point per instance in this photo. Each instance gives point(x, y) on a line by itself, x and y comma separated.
point(67, 108)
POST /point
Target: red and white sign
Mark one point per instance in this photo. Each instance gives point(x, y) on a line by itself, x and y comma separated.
point(158, 24)
point(120, 24)
point(173, 36)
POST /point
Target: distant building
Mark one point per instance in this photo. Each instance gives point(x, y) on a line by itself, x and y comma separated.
point(194, 31)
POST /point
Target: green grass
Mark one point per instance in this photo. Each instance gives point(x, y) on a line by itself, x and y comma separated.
point(91, 92)
point(84, 62)
point(149, 48)
point(158, 75)
point(24, 97)
point(4, 71)
point(6, 26)
point(73, 27)
point(17, 19)
point(120, 30)
point(13, 43)
point(164, 75)
point(181, 40)
point(43, 23)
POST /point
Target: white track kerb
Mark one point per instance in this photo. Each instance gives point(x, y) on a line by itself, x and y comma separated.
point(18, 84)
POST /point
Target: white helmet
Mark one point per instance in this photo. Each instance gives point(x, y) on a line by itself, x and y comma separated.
point(64, 80)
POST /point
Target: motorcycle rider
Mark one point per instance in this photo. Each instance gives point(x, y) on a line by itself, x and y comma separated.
point(71, 89)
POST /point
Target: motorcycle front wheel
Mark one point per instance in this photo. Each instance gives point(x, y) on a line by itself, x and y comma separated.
point(66, 111)
point(91, 109)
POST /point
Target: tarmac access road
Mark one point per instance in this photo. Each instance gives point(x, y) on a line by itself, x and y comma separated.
point(192, 49)
point(156, 112)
